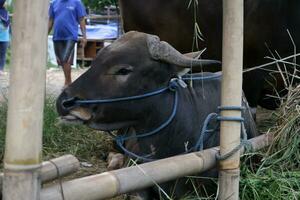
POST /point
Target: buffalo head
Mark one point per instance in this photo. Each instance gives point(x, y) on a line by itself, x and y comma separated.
point(134, 64)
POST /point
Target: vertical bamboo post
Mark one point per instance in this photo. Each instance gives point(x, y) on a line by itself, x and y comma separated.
point(233, 15)
point(22, 160)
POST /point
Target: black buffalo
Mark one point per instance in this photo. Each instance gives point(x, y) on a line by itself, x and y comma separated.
point(267, 23)
point(137, 64)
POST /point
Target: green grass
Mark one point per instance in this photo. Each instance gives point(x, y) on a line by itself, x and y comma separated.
point(3, 110)
point(59, 139)
point(276, 173)
point(78, 140)
point(8, 58)
point(270, 174)
point(269, 183)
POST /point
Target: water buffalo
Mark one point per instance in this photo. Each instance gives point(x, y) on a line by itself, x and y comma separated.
point(266, 25)
point(133, 84)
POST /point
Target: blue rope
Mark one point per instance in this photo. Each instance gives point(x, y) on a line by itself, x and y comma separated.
point(173, 86)
point(238, 108)
point(244, 142)
point(78, 102)
point(162, 126)
point(232, 119)
point(199, 145)
point(131, 154)
point(227, 108)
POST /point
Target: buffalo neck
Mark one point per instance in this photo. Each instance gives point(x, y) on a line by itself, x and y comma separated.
point(184, 130)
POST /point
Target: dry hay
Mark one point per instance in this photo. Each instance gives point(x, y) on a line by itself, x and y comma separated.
point(275, 174)
point(286, 146)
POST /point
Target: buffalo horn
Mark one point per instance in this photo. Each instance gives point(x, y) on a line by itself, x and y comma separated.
point(163, 51)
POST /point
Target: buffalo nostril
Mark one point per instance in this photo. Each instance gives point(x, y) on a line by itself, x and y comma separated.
point(69, 103)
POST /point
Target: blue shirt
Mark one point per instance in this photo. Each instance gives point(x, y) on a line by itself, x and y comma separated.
point(4, 33)
point(66, 15)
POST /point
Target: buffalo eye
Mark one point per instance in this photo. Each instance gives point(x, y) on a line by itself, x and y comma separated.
point(120, 70)
point(124, 71)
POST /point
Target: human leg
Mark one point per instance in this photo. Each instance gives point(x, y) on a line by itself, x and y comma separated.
point(68, 61)
point(64, 51)
point(67, 73)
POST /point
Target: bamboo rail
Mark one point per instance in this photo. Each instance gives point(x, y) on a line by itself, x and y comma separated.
point(55, 168)
point(113, 183)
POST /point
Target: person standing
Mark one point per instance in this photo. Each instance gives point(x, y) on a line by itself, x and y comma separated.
point(64, 17)
point(4, 34)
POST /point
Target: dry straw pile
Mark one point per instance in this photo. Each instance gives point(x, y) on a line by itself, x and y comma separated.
point(277, 173)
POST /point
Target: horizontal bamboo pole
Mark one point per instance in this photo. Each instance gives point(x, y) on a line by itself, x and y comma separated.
point(61, 166)
point(113, 183)
point(65, 165)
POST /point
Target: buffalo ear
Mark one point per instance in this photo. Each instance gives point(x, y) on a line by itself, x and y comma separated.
point(195, 54)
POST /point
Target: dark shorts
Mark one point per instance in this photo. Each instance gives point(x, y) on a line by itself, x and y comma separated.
point(64, 51)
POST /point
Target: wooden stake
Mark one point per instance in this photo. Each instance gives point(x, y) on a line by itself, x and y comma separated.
point(26, 100)
point(113, 183)
point(232, 62)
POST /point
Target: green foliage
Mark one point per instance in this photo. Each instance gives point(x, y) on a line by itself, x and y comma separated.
point(60, 139)
point(277, 173)
point(3, 111)
point(268, 182)
point(98, 5)
point(8, 57)
point(79, 140)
